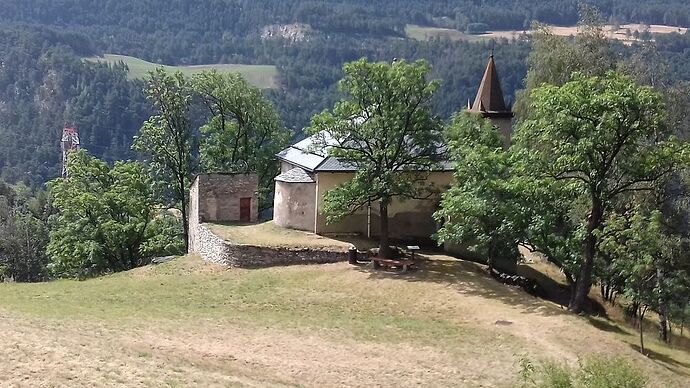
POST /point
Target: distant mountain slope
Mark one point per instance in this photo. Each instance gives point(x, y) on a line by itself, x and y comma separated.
point(44, 82)
point(43, 85)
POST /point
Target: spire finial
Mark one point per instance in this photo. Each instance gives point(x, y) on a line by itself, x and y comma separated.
point(493, 46)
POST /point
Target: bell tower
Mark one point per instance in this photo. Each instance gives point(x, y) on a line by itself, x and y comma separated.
point(491, 104)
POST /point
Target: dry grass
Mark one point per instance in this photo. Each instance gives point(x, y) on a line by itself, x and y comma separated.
point(190, 323)
point(270, 235)
point(622, 33)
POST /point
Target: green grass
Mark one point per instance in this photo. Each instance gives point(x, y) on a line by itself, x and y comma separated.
point(152, 318)
point(262, 76)
point(416, 32)
point(294, 297)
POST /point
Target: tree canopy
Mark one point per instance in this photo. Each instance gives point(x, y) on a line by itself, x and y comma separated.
point(607, 136)
point(106, 219)
point(243, 133)
point(481, 210)
point(384, 128)
point(167, 139)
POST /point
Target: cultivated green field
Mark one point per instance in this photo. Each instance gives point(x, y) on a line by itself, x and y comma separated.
point(263, 76)
point(190, 323)
point(413, 31)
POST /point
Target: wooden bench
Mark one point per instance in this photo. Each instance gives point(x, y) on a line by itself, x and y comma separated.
point(402, 264)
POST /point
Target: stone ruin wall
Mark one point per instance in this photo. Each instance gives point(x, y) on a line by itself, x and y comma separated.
point(207, 195)
point(216, 250)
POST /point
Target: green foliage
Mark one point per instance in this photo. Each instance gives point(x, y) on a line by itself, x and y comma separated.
point(244, 132)
point(43, 84)
point(480, 209)
point(23, 234)
point(593, 372)
point(384, 127)
point(167, 138)
point(105, 219)
point(606, 137)
point(651, 261)
point(554, 59)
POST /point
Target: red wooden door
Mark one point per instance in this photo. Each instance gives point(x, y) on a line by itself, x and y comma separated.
point(245, 209)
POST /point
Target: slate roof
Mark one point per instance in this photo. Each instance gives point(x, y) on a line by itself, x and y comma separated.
point(312, 158)
point(489, 98)
point(295, 175)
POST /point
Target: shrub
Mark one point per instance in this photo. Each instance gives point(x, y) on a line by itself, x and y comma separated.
point(593, 372)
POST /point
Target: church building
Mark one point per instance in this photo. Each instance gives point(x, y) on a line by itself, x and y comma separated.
point(307, 174)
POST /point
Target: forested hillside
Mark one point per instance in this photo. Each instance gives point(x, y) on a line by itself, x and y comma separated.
point(44, 82)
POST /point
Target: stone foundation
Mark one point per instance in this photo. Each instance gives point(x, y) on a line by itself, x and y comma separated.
point(214, 249)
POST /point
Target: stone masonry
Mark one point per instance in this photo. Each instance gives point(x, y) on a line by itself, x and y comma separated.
point(219, 198)
point(214, 249)
point(216, 198)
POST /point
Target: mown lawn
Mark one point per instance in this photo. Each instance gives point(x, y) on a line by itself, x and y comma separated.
point(187, 322)
point(262, 76)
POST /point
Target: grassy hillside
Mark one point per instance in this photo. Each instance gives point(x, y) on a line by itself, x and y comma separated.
point(191, 323)
point(263, 76)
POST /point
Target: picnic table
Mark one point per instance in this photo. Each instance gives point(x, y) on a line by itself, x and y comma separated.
point(403, 264)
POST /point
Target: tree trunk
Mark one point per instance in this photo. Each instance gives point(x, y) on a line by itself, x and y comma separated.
point(663, 326)
point(384, 245)
point(491, 254)
point(682, 325)
point(663, 321)
point(584, 281)
point(640, 322)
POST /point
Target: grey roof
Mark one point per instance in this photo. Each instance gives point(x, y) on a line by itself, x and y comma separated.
point(295, 175)
point(334, 164)
point(311, 156)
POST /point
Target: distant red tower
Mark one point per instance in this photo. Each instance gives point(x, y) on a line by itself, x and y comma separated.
point(69, 143)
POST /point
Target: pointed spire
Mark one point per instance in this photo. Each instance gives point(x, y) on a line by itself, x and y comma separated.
point(490, 96)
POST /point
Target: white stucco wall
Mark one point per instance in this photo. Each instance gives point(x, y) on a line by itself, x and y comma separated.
point(408, 218)
point(294, 205)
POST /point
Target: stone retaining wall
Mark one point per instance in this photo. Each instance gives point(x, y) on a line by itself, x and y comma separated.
point(214, 249)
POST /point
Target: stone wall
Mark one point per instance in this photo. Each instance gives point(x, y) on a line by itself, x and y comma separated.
point(214, 249)
point(218, 196)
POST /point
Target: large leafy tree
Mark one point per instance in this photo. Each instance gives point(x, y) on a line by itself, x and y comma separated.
point(652, 262)
point(244, 132)
point(606, 135)
point(106, 219)
point(167, 138)
point(554, 58)
point(480, 210)
point(384, 127)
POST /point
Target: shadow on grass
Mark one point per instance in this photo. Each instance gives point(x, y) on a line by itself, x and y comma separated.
point(468, 278)
point(668, 361)
point(605, 325)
